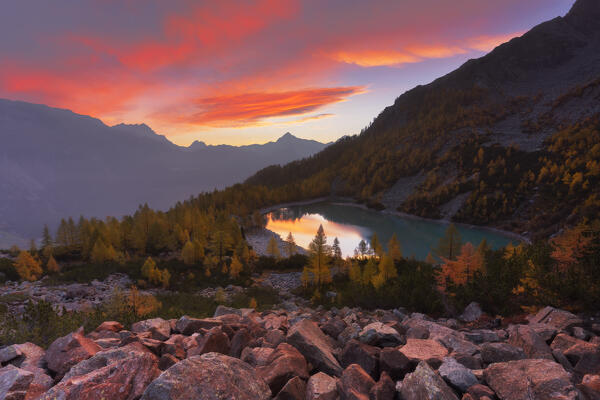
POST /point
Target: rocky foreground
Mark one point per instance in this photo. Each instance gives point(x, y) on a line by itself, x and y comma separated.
point(314, 354)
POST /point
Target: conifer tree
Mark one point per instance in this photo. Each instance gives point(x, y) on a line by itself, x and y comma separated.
point(387, 269)
point(290, 245)
point(188, 253)
point(362, 249)
point(336, 250)
point(27, 267)
point(305, 277)
point(430, 259)
point(253, 303)
point(394, 248)
point(376, 247)
point(319, 257)
point(369, 272)
point(355, 274)
point(235, 268)
point(273, 248)
point(46, 238)
point(450, 244)
point(462, 269)
point(52, 265)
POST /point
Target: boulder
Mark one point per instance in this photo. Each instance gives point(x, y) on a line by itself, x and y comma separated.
point(211, 376)
point(480, 336)
point(417, 332)
point(527, 379)
point(355, 384)
point(8, 353)
point(480, 391)
point(167, 361)
point(239, 341)
point(112, 326)
point(379, 334)
point(385, 389)
point(500, 352)
point(430, 351)
point(350, 332)
point(393, 362)
point(532, 344)
point(560, 319)
point(69, 350)
point(545, 331)
point(188, 326)
point(314, 346)
point(121, 373)
point(457, 344)
point(174, 346)
point(456, 375)
point(274, 337)
point(334, 327)
point(362, 354)
point(471, 313)
point(294, 389)
point(424, 383)
point(32, 360)
point(284, 363)
point(14, 383)
point(321, 387)
point(257, 356)
point(158, 327)
point(223, 310)
point(590, 386)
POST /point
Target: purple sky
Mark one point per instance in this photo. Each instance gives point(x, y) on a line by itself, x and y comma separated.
point(245, 71)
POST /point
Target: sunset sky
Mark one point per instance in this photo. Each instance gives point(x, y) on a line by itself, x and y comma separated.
point(242, 72)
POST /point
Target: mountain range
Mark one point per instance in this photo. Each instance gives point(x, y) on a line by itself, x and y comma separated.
point(55, 163)
point(509, 140)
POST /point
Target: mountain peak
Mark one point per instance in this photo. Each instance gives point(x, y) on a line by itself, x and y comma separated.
point(286, 138)
point(585, 15)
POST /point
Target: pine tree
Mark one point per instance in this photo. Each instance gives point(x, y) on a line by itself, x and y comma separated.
point(305, 277)
point(336, 250)
point(32, 247)
point(394, 248)
point(362, 249)
point(273, 248)
point(27, 267)
point(52, 265)
point(450, 244)
point(430, 259)
point(290, 245)
point(319, 255)
point(102, 253)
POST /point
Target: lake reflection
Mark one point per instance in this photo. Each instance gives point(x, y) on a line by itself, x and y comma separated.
point(351, 224)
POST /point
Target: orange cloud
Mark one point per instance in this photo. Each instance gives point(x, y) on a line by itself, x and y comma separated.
point(418, 52)
point(251, 108)
point(313, 117)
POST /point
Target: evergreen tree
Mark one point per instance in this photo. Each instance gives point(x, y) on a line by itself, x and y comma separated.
point(369, 272)
point(319, 257)
point(362, 249)
point(394, 248)
point(430, 259)
point(27, 267)
point(46, 238)
point(450, 244)
point(336, 250)
point(32, 247)
point(290, 245)
point(355, 274)
point(387, 269)
point(273, 248)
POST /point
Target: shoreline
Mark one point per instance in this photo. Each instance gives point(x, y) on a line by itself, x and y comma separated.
point(347, 201)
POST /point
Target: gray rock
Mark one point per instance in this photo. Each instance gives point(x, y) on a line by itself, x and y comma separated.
point(532, 344)
point(560, 319)
point(321, 387)
point(9, 353)
point(424, 383)
point(456, 375)
point(471, 313)
point(379, 334)
point(158, 327)
point(500, 352)
point(223, 310)
point(14, 382)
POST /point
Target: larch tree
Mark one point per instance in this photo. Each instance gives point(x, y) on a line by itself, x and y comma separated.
point(430, 259)
point(273, 248)
point(235, 268)
point(52, 265)
point(450, 244)
point(369, 272)
point(461, 270)
point(46, 238)
point(290, 245)
point(320, 254)
point(27, 267)
point(376, 246)
point(394, 248)
point(188, 253)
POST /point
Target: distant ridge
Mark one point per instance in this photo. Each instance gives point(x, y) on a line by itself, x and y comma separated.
point(55, 163)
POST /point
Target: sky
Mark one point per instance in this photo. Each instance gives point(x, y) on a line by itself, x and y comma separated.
point(241, 72)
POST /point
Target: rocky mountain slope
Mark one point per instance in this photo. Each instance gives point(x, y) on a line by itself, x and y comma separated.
point(55, 164)
point(301, 353)
point(473, 146)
